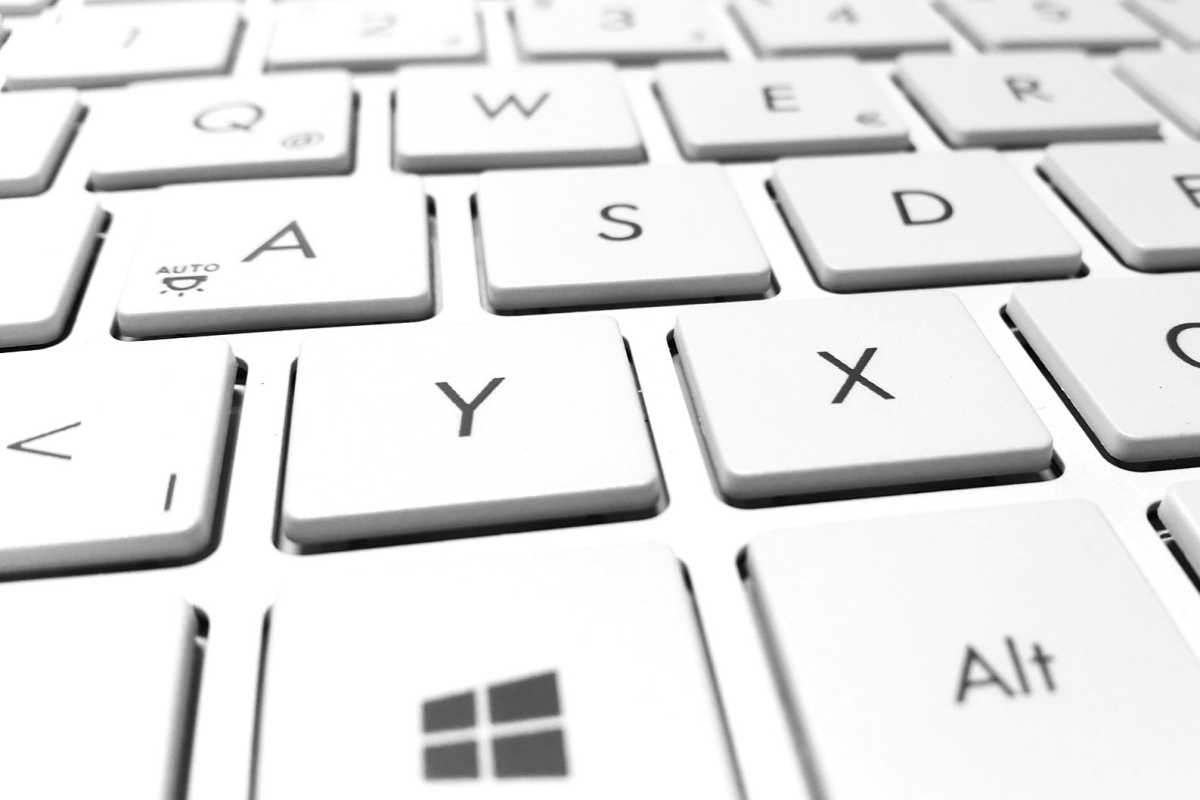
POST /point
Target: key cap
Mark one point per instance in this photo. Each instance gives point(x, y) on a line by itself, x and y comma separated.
point(280, 256)
point(1023, 100)
point(96, 687)
point(17, 7)
point(373, 35)
point(868, 28)
point(967, 666)
point(533, 677)
point(210, 130)
point(621, 30)
point(771, 109)
point(1167, 80)
point(113, 45)
point(861, 393)
point(506, 423)
point(1142, 198)
point(458, 118)
point(1178, 19)
point(46, 245)
point(633, 235)
point(111, 457)
point(932, 219)
point(1131, 383)
point(1013, 24)
point(1180, 512)
point(35, 128)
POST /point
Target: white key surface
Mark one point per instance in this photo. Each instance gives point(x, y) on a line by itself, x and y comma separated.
point(363, 699)
point(1167, 80)
point(628, 234)
point(1142, 198)
point(112, 457)
point(461, 118)
point(95, 685)
point(372, 35)
point(967, 665)
point(869, 28)
point(1020, 24)
point(931, 217)
point(622, 30)
point(840, 394)
point(771, 109)
point(109, 45)
point(46, 245)
point(505, 423)
point(35, 128)
point(1133, 383)
point(1023, 99)
point(1178, 19)
point(1179, 511)
point(279, 255)
point(207, 130)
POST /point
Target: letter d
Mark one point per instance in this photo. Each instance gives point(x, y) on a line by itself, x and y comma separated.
point(911, 215)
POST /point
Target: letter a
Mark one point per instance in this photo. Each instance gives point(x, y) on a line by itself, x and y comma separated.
point(292, 228)
point(966, 683)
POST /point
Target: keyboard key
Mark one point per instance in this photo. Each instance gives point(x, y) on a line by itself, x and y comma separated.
point(220, 130)
point(771, 109)
point(373, 35)
point(628, 30)
point(113, 45)
point(842, 394)
point(1023, 100)
point(1013, 24)
point(1142, 198)
point(1180, 512)
point(456, 118)
point(35, 128)
point(17, 7)
point(96, 691)
point(505, 423)
point(992, 654)
point(46, 245)
point(1179, 19)
point(1167, 80)
point(111, 457)
point(520, 677)
point(1132, 383)
point(628, 234)
point(280, 256)
point(932, 220)
point(869, 28)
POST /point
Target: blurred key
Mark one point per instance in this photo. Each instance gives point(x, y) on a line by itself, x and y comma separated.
point(1178, 19)
point(19, 7)
point(35, 128)
point(1168, 80)
point(1021, 24)
point(622, 30)
point(877, 28)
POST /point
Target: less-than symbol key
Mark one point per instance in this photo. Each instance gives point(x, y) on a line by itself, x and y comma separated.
point(22, 445)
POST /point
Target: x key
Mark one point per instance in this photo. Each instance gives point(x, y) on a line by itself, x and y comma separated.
point(855, 375)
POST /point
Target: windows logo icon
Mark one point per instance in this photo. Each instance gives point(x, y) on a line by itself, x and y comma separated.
point(522, 737)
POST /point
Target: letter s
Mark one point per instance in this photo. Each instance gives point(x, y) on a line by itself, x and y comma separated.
point(635, 230)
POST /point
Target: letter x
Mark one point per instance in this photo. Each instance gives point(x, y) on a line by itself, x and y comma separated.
point(855, 374)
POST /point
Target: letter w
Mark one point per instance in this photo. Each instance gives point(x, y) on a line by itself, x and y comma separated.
point(527, 111)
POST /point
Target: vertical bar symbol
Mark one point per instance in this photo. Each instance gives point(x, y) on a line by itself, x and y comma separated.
point(170, 493)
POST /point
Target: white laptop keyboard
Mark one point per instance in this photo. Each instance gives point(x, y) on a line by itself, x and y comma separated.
point(581, 399)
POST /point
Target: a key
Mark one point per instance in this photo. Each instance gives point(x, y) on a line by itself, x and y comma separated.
point(373, 35)
point(1178, 19)
point(459, 118)
point(777, 108)
point(1180, 513)
point(511, 422)
point(1023, 100)
point(869, 28)
point(18, 7)
point(529, 677)
point(992, 653)
point(1023, 24)
point(832, 395)
point(1133, 382)
point(1167, 80)
point(112, 45)
point(633, 235)
point(932, 220)
point(35, 128)
point(622, 30)
point(111, 458)
point(1142, 198)
point(96, 685)
point(208, 130)
point(46, 245)
point(279, 256)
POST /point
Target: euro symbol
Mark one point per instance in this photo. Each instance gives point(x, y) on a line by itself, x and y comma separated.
point(229, 117)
